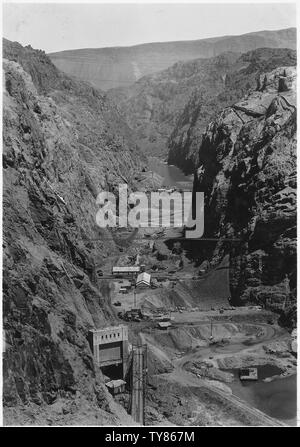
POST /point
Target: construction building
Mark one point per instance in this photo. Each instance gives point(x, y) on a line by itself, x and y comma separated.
point(164, 325)
point(116, 386)
point(126, 270)
point(248, 374)
point(143, 280)
point(109, 346)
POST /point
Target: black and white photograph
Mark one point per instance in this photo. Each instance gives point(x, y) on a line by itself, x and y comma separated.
point(149, 221)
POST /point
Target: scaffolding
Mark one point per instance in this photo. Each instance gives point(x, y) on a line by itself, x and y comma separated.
point(138, 382)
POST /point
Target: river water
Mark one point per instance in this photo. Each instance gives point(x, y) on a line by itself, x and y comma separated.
point(278, 398)
point(172, 175)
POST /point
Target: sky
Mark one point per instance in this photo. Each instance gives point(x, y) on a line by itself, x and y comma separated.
point(56, 27)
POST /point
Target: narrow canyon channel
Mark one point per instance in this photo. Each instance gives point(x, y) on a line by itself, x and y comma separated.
point(173, 176)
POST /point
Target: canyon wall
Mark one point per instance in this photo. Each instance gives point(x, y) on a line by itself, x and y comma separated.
point(236, 80)
point(246, 165)
point(63, 143)
point(169, 110)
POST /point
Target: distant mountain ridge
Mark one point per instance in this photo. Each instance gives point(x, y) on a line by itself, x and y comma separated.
point(169, 110)
point(112, 67)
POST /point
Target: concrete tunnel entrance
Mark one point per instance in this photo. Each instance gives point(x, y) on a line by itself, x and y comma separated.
point(109, 346)
point(114, 372)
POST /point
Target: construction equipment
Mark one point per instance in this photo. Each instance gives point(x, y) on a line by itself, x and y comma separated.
point(248, 374)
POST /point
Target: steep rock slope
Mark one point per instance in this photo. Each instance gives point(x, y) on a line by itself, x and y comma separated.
point(169, 110)
point(119, 66)
point(63, 143)
point(247, 169)
point(153, 105)
point(204, 103)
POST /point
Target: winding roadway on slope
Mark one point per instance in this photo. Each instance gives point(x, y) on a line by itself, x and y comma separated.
point(185, 378)
point(270, 333)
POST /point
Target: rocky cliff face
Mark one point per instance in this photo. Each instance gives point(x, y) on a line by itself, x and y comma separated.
point(153, 105)
point(169, 110)
point(247, 169)
point(107, 68)
point(63, 143)
point(234, 81)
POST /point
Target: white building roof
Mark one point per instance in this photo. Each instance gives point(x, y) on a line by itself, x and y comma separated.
point(164, 324)
point(124, 269)
point(143, 278)
point(115, 383)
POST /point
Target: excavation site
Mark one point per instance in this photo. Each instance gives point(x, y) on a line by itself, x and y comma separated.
point(149, 217)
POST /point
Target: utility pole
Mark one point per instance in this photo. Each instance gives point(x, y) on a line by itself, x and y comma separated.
point(134, 292)
point(134, 297)
point(286, 291)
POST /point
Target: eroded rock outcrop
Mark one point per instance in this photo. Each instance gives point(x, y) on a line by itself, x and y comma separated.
point(169, 110)
point(237, 79)
point(247, 169)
